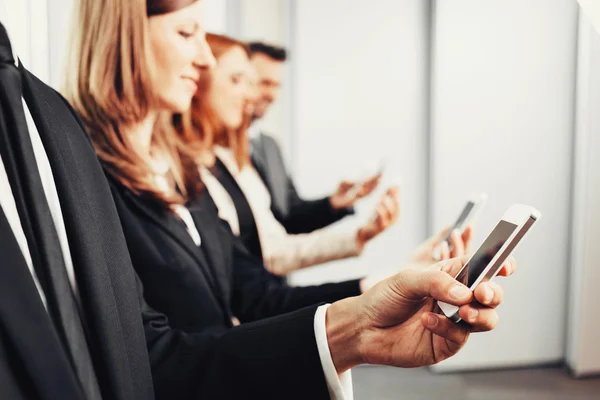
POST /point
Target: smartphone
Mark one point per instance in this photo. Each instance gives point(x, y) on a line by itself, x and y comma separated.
point(489, 257)
point(469, 213)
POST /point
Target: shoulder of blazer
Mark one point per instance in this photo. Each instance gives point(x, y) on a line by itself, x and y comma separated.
point(270, 143)
point(50, 91)
point(97, 242)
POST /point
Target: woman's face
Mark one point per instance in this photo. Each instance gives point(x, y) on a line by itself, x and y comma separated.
point(179, 54)
point(227, 97)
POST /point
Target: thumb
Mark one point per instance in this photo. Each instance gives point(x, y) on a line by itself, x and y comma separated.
point(435, 282)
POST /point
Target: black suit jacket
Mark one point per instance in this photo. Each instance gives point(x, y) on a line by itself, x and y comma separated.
point(295, 214)
point(32, 363)
point(256, 360)
point(201, 290)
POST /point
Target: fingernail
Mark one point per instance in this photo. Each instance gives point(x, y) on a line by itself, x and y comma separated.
point(456, 233)
point(488, 294)
point(472, 314)
point(459, 292)
point(432, 321)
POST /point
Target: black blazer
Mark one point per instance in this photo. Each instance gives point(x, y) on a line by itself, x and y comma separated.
point(295, 214)
point(201, 288)
point(256, 360)
point(32, 363)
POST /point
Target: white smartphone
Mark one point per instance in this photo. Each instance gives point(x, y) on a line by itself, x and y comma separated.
point(489, 257)
point(469, 213)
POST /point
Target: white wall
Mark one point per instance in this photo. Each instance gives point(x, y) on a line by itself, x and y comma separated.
point(503, 102)
point(29, 24)
point(216, 15)
point(60, 15)
point(269, 21)
point(359, 95)
point(583, 348)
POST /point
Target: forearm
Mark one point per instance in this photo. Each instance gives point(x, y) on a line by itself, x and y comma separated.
point(257, 294)
point(238, 363)
point(283, 254)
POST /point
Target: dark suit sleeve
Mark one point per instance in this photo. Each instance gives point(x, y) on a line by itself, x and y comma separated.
point(259, 360)
point(259, 294)
point(271, 359)
point(306, 216)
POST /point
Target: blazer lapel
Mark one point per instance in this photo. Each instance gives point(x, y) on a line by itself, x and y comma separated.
point(274, 175)
point(27, 325)
point(176, 229)
point(208, 224)
point(260, 162)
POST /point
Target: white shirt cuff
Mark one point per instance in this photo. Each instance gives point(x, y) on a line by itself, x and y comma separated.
point(339, 386)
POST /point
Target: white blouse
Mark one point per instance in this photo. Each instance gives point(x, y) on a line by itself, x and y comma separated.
point(160, 170)
point(338, 386)
point(282, 252)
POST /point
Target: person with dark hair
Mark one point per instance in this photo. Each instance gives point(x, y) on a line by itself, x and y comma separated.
point(296, 214)
point(216, 126)
point(273, 52)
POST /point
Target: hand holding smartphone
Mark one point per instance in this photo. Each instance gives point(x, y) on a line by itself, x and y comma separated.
point(489, 257)
point(469, 213)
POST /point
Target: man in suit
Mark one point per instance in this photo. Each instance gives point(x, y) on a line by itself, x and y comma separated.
point(295, 214)
point(73, 320)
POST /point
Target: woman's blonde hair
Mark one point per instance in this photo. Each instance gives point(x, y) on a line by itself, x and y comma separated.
point(199, 128)
point(110, 86)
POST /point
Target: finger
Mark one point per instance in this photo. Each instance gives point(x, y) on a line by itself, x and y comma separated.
point(444, 251)
point(387, 201)
point(393, 191)
point(467, 237)
point(361, 191)
point(509, 267)
point(371, 185)
point(380, 218)
point(394, 199)
point(451, 266)
point(443, 327)
point(439, 238)
point(419, 284)
point(489, 294)
point(374, 180)
point(458, 247)
point(386, 217)
point(480, 318)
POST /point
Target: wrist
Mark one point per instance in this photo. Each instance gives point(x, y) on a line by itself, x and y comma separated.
point(344, 327)
point(333, 202)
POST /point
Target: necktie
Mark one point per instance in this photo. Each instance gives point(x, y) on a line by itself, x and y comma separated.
point(21, 167)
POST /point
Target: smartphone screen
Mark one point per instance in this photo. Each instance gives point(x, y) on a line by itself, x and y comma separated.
point(461, 218)
point(486, 252)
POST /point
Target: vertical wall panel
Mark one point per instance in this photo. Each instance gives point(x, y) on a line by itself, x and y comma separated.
point(583, 349)
point(503, 117)
point(360, 95)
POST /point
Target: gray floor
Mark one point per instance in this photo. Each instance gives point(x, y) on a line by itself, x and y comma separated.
point(381, 383)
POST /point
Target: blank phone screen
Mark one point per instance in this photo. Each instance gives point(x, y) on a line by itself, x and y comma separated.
point(461, 218)
point(464, 214)
point(486, 252)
